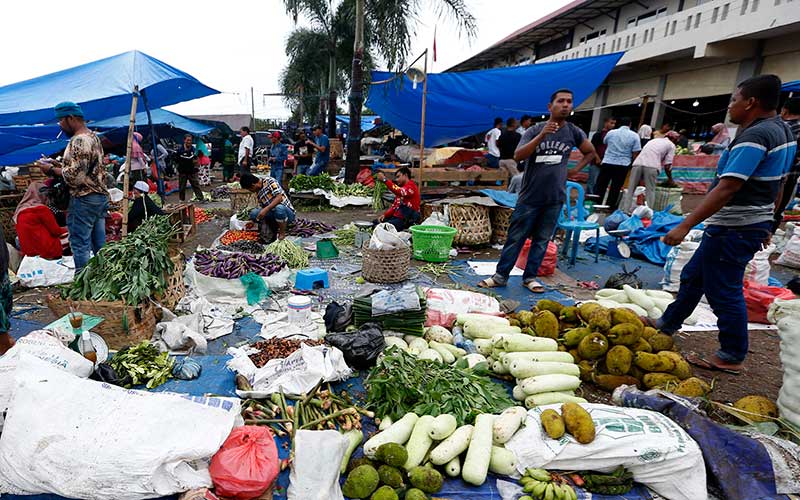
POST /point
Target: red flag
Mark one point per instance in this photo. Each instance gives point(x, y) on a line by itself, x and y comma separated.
point(434, 44)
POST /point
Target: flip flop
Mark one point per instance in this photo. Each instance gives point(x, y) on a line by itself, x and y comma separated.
point(534, 286)
point(489, 283)
point(701, 362)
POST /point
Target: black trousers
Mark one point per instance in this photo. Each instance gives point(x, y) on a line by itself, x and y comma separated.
point(615, 175)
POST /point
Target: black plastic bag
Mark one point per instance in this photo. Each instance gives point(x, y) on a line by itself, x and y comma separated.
point(616, 280)
point(360, 348)
point(106, 373)
point(337, 316)
point(794, 285)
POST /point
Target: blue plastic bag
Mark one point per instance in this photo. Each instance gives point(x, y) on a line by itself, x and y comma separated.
point(614, 220)
point(632, 224)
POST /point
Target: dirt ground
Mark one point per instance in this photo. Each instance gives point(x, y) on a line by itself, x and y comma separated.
point(762, 374)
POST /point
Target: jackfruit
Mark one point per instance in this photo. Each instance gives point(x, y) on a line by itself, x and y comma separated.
point(611, 382)
point(757, 408)
point(600, 320)
point(660, 342)
point(683, 370)
point(653, 362)
point(618, 360)
point(648, 332)
point(578, 422)
point(641, 345)
point(586, 309)
point(621, 315)
point(550, 305)
point(574, 336)
point(624, 334)
point(546, 324)
point(586, 368)
point(593, 346)
point(659, 380)
point(569, 314)
point(693, 388)
point(553, 423)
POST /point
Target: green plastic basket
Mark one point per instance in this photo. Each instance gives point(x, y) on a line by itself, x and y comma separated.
point(432, 243)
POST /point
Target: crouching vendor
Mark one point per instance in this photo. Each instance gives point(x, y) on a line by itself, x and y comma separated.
point(143, 207)
point(276, 210)
point(404, 212)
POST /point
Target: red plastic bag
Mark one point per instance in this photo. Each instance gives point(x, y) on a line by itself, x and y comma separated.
point(759, 297)
point(365, 177)
point(549, 261)
point(246, 465)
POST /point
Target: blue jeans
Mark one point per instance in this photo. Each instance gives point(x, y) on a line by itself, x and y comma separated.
point(492, 161)
point(535, 222)
point(303, 169)
point(277, 174)
point(594, 171)
point(86, 222)
point(317, 168)
point(717, 270)
point(280, 213)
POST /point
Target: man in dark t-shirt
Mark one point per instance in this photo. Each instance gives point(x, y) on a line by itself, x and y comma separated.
point(302, 154)
point(507, 144)
point(187, 168)
point(545, 148)
point(600, 149)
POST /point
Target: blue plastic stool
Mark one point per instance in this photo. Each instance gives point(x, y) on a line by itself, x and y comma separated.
point(311, 279)
point(573, 221)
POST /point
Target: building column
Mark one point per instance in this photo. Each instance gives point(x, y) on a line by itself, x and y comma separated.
point(658, 104)
point(599, 113)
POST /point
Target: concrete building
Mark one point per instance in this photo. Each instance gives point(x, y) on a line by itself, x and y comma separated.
point(685, 56)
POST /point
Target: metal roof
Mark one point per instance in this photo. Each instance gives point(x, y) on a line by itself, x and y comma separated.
point(553, 25)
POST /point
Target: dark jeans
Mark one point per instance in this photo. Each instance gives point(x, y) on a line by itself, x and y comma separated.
point(492, 161)
point(615, 174)
point(408, 219)
point(86, 222)
point(717, 270)
point(535, 222)
point(192, 179)
point(244, 166)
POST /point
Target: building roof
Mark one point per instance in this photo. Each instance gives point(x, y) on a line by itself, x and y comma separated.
point(557, 23)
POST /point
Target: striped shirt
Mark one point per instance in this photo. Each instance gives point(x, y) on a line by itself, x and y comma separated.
point(761, 155)
point(270, 191)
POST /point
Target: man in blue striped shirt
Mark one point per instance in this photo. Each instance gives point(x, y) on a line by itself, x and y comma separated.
point(737, 212)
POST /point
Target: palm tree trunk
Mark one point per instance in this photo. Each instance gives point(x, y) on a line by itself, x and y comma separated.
point(322, 104)
point(356, 98)
point(332, 97)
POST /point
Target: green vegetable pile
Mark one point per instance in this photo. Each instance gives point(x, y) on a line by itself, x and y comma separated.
point(294, 256)
point(356, 189)
point(132, 269)
point(244, 214)
point(345, 236)
point(144, 364)
point(311, 182)
point(406, 322)
point(401, 383)
point(377, 196)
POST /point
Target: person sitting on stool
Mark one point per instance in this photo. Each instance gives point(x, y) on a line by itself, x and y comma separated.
point(404, 212)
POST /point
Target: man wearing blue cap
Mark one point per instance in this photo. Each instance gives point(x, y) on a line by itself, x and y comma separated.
point(83, 171)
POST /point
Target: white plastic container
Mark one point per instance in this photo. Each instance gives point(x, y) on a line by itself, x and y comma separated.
point(298, 307)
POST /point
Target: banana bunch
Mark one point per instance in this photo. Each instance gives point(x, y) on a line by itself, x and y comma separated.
point(539, 485)
point(618, 482)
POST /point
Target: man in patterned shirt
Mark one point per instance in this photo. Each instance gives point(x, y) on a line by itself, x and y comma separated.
point(83, 171)
point(276, 209)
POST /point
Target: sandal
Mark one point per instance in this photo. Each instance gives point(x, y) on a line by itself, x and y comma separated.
point(713, 364)
point(534, 286)
point(489, 283)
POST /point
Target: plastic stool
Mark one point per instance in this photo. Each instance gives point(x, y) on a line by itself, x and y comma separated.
point(310, 279)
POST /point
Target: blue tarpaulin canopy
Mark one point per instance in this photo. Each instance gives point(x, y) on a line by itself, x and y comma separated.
point(465, 103)
point(103, 89)
point(33, 153)
point(366, 121)
point(791, 86)
point(160, 117)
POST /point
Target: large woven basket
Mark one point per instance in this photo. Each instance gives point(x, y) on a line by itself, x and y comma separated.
point(501, 218)
point(8, 205)
point(668, 196)
point(176, 288)
point(141, 319)
point(472, 223)
point(385, 266)
point(242, 198)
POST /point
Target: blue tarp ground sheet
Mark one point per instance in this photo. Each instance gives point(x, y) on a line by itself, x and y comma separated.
point(465, 103)
point(216, 379)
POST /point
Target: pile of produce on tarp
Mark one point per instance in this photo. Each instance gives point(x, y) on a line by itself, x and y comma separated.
point(410, 321)
point(232, 265)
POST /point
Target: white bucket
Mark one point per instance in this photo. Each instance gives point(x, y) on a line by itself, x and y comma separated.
point(299, 306)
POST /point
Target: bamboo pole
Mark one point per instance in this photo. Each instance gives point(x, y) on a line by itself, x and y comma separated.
point(126, 181)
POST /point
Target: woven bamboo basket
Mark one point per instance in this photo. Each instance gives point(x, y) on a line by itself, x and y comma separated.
point(141, 319)
point(428, 209)
point(8, 205)
point(472, 223)
point(176, 288)
point(385, 266)
point(501, 218)
point(242, 198)
point(21, 182)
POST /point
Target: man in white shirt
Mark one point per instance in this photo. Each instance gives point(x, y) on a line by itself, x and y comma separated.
point(245, 151)
point(493, 156)
point(655, 154)
point(622, 146)
point(524, 124)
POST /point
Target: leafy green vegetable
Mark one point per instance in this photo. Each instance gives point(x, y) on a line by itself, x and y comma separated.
point(144, 364)
point(310, 182)
point(356, 189)
point(132, 269)
point(377, 196)
point(407, 322)
point(294, 256)
point(401, 383)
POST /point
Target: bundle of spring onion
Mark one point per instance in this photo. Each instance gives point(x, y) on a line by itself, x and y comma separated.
point(294, 256)
point(406, 322)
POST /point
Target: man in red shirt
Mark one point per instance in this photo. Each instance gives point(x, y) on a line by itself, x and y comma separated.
point(404, 212)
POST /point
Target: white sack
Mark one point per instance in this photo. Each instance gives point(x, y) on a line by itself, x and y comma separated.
point(84, 439)
point(791, 252)
point(758, 268)
point(786, 315)
point(36, 271)
point(315, 469)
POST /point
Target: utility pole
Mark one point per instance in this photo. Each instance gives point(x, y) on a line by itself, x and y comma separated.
point(252, 111)
point(645, 101)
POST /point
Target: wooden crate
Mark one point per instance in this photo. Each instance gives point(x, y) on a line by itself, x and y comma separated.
point(182, 213)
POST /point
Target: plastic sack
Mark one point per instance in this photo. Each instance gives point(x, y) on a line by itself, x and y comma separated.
point(232, 292)
point(643, 212)
point(36, 271)
point(315, 469)
point(785, 314)
point(160, 440)
point(791, 253)
point(247, 464)
point(386, 237)
point(633, 223)
point(758, 268)
point(549, 262)
point(360, 348)
point(613, 221)
point(758, 298)
point(677, 258)
point(255, 288)
point(655, 449)
point(443, 305)
point(616, 280)
point(436, 219)
point(338, 316)
point(106, 373)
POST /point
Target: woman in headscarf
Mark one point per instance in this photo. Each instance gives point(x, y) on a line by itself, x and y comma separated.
point(37, 229)
point(138, 159)
point(720, 141)
point(645, 134)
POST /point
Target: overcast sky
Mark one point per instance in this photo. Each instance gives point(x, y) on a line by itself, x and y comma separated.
point(229, 46)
